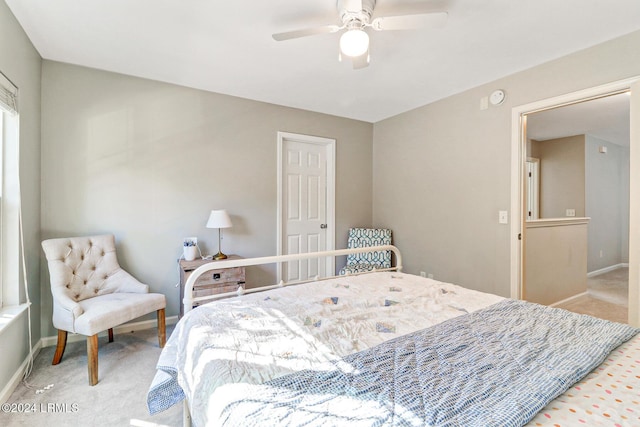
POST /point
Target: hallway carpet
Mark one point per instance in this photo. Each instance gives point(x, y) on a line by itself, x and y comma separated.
point(607, 297)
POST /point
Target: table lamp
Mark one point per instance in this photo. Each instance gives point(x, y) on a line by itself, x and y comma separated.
point(219, 219)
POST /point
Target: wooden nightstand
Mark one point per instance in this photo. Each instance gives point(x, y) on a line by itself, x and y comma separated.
point(212, 282)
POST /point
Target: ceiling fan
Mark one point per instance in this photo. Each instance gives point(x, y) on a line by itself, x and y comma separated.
point(355, 17)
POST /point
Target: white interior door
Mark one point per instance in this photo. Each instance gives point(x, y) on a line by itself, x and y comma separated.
point(306, 203)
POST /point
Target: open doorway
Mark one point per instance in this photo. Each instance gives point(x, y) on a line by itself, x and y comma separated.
point(577, 207)
point(517, 229)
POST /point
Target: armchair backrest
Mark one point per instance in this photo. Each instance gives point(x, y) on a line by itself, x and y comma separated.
point(82, 267)
point(366, 237)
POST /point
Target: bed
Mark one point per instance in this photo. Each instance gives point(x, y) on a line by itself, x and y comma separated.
point(393, 349)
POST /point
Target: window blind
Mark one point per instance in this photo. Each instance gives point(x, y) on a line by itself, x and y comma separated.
point(8, 95)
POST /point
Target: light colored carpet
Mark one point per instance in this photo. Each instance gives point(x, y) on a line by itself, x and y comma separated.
point(607, 297)
point(126, 369)
point(612, 287)
point(597, 308)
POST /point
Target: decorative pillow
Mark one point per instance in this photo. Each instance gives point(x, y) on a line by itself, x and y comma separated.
point(367, 237)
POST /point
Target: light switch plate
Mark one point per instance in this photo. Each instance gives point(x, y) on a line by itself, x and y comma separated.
point(484, 102)
point(503, 217)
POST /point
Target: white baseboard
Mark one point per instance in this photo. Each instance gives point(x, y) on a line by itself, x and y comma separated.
point(127, 327)
point(13, 383)
point(567, 299)
point(607, 269)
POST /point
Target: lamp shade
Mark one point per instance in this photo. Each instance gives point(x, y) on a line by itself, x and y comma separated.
point(354, 42)
point(219, 219)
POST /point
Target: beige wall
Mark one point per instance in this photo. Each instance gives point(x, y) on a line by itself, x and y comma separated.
point(21, 63)
point(442, 171)
point(562, 175)
point(607, 203)
point(147, 161)
point(556, 260)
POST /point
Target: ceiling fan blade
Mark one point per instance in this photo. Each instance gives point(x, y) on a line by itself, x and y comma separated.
point(361, 61)
point(305, 32)
point(410, 22)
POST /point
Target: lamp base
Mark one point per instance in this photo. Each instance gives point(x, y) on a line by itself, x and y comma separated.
point(219, 256)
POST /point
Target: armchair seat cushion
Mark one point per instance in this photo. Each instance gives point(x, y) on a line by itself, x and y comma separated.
point(107, 311)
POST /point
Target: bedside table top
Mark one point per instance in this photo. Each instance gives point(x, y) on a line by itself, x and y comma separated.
point(192, 265)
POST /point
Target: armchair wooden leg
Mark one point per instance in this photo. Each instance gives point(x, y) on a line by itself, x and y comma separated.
point(162, 328)
point(92, 358)
point(110, 334)
point(62, 343)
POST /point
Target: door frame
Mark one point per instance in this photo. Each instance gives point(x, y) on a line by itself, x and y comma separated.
point(534, 194)
point(330, 147)
point(518, 153)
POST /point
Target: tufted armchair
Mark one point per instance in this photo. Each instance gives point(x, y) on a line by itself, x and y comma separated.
point(367, 237)
point(92, 293)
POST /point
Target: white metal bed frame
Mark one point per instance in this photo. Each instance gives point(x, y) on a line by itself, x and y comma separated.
point(188, 298)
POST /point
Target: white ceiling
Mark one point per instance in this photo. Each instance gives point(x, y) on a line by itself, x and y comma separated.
point(606, 118)
point(226, 46)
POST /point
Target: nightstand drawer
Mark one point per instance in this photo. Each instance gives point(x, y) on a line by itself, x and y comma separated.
point(219, 276)
point(205, 290)
point(218, 281)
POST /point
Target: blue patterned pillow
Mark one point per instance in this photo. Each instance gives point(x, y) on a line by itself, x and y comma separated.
point(367, 237)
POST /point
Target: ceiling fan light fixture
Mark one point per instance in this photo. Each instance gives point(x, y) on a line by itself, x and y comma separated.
point(354, 42)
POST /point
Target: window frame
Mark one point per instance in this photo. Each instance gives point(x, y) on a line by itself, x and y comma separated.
point(10, 274)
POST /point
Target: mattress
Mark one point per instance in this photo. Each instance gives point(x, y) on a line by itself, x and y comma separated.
point(262, 337)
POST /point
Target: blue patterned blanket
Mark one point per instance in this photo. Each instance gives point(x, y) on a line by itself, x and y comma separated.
point(494, 367)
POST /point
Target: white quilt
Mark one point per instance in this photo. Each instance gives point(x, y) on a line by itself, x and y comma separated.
point(262, 336)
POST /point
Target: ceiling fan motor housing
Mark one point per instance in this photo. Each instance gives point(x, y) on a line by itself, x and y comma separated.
point(351, 16)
